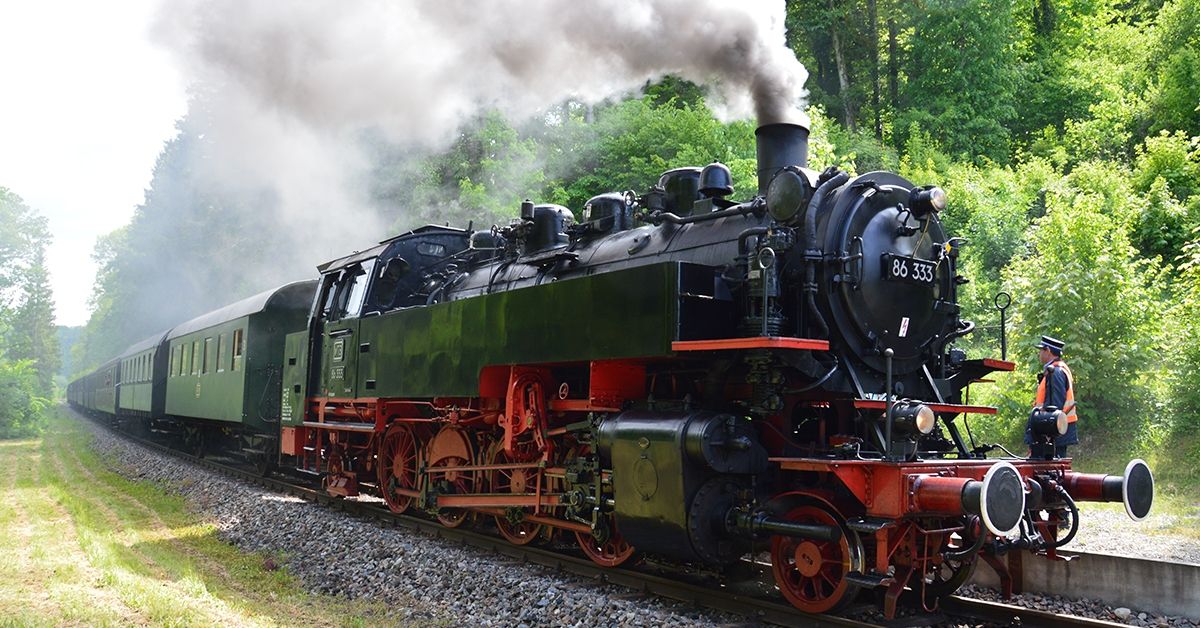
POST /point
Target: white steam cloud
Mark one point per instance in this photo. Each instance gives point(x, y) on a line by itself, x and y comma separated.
point(287, 88)
point(416, 69)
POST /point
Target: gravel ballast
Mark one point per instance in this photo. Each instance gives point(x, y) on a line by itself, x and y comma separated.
point(426, 579)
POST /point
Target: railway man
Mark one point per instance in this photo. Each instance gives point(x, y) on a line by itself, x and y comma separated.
point(1056, 388)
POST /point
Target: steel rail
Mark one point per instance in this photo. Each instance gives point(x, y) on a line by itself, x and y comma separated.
point(762, 609)
point(773, 611)
point(1001, 614)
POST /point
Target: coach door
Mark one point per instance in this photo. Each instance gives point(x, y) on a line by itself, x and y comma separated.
point(340, 310)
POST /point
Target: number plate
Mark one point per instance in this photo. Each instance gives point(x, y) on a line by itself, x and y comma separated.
point(909, 269)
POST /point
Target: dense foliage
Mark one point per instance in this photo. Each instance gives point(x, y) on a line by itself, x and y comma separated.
point(29, 356)
point(1064, 132)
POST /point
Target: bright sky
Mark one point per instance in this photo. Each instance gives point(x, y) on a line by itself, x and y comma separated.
point(86, 104)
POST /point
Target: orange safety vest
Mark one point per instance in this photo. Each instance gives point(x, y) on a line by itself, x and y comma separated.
point(1068, 405)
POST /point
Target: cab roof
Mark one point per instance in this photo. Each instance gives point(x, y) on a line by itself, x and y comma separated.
point(375, 251)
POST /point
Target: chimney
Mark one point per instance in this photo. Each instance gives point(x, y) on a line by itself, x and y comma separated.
point(780, 144)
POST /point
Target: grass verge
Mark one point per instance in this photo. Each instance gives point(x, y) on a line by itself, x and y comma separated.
point(85, 546)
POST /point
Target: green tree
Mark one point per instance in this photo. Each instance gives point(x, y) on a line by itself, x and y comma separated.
point(1173, 62)
point(22, 408)
point(23, 236)
point(1182, 328)
point(33, 335)
point(192, 246)
point(1082, 281)
point(28, 351)
point(1173, 157)
point(962, 81)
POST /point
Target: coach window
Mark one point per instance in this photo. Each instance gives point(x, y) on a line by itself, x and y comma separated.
point(204, 368)
point(220, 353)
point(182, 360)
point(236, 365)
point(196, 357)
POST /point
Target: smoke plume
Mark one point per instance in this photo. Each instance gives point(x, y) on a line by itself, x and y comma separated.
point(285, 93)
point(416, 69)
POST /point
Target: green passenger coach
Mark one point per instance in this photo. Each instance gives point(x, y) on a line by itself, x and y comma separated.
point(141, 387)
point(223, 367)
point(102, 392)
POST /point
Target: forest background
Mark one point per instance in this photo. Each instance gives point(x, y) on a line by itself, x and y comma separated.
point(1064, 131)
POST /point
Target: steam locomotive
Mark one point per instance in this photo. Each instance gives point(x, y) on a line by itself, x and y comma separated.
point(676, 373)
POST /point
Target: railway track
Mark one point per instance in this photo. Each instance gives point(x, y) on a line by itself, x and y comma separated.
point(742, 601)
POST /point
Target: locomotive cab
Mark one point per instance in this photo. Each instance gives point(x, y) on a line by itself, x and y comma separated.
point(400, 272)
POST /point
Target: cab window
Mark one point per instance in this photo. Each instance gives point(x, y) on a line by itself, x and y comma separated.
point(347, 298)
point(329, 292)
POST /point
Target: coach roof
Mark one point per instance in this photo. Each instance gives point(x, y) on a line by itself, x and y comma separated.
point(293, 294)
point(148, 343)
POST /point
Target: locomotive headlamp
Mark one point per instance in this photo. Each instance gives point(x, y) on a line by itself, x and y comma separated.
point(787, 194)
point(927, 199)
point(1048, 421)
point(912, 417)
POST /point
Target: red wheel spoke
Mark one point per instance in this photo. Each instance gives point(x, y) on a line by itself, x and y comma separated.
point(397, 468)
point(502, 481)
point(811, 575)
